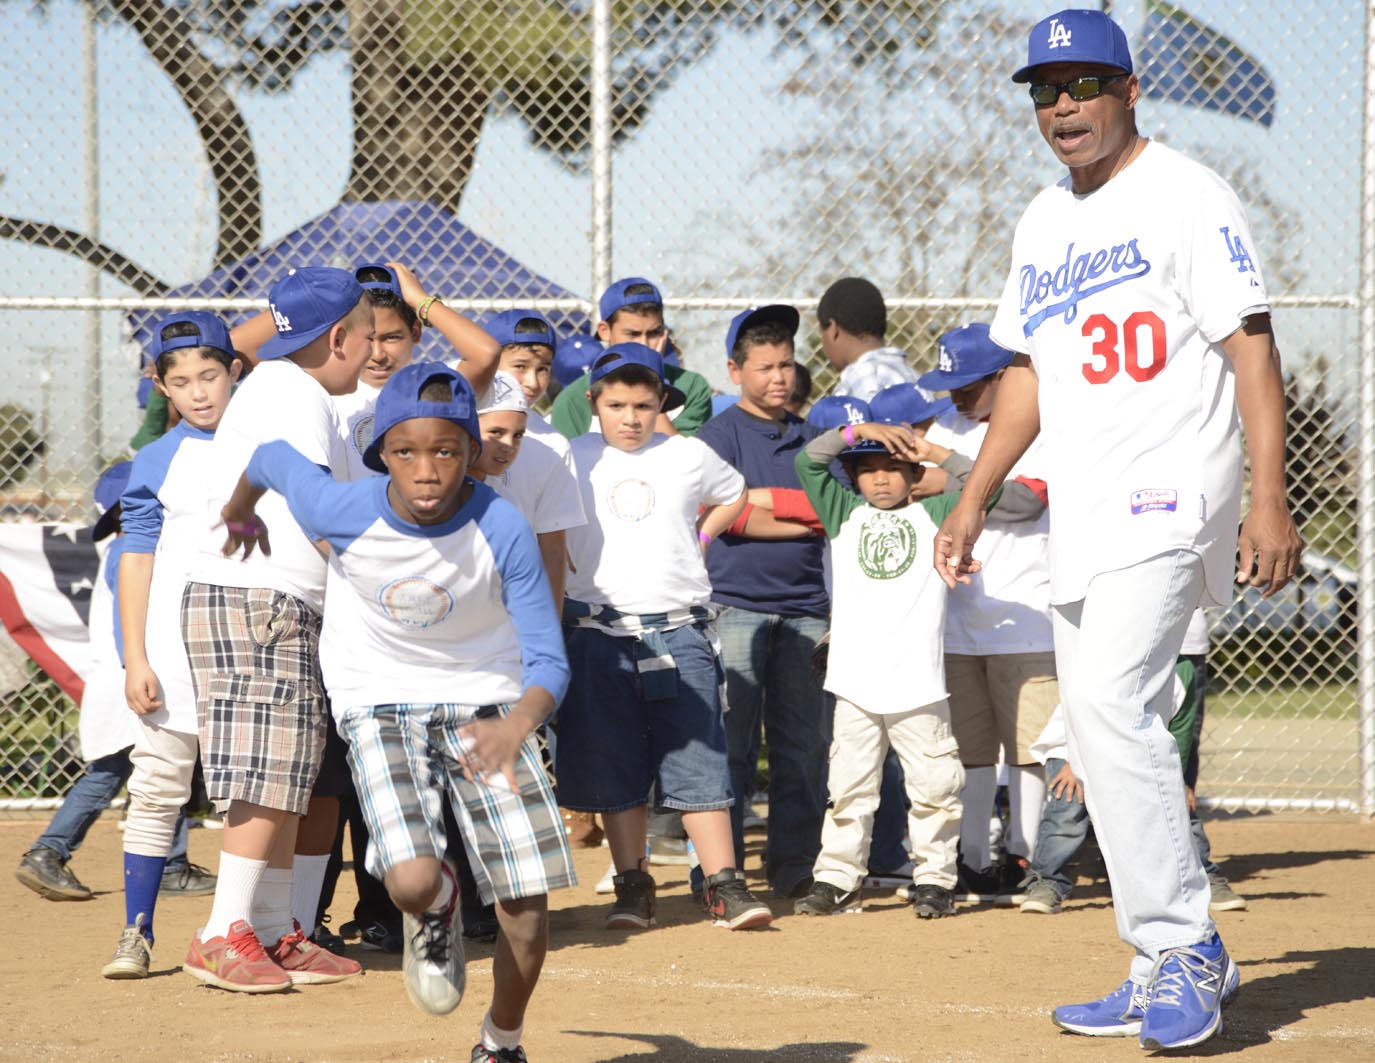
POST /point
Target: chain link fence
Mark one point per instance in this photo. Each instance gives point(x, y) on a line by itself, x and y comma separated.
point(736, 151)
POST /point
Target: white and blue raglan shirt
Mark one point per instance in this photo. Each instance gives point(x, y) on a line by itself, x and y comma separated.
point(162, 512)
point(1122, 298)
point(458, 612)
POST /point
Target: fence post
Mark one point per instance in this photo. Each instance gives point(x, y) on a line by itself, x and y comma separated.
point(1366, 517)
point(601, 146)
point(90, 122)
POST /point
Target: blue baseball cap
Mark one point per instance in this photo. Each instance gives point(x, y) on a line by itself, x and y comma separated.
point(615, 297)
point(836, 411)
point(306, 304)
point(867, 446)
point(502, 328)
point(622, 355)
point(377, 284)
point(967, 354)
point(399, 400)
point(787, 316)
point(210, 331)
point(907, 404)
point(1076, 35)
point(108, 490)
point(573, 356)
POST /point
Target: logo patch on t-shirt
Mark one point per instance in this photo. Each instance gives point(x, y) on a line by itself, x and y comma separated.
point(360, 431)
point(631, 500)
point(1155, 500)
point(414, 601)
point(887, 546)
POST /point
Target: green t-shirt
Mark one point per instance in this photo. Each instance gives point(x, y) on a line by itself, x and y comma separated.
point(154, 421)
point(572, 415)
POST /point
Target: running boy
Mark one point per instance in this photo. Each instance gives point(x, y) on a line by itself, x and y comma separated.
point(644, 706)
point(440, 589)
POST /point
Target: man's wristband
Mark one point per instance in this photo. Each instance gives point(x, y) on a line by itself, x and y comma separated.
point(848, 434)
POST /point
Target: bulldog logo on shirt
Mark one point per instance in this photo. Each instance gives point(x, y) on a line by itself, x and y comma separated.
point(887, 546)
point(415, 602)
point(631, 500)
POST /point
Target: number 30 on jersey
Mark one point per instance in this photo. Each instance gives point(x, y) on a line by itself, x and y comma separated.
point(1137, 347)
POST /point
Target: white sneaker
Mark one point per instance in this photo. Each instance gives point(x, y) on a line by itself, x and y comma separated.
point(432, 961)
point(605, 884)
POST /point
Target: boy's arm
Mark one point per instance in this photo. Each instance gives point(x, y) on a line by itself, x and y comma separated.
point(251, 335)
point(716, 519)
point(832, 501)
point(553, 548)
point(478, 351)
point(308, 489)
point(140, 681)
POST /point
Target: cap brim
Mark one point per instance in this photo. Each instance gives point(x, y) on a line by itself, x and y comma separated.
point(107, 524)
point(1024, 74)
point(866, 446)
point(673, 399)
point(280, 346)
point(940, 380)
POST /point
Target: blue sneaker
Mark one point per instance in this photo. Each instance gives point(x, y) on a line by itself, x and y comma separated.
point(1187, 990)
point(1118, 1014)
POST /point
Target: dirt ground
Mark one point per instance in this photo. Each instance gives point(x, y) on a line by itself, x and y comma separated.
point(850, 989)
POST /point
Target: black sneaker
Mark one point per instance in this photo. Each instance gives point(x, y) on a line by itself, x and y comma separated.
point(44, 872)
point(825, 899)
point(326, 938)
point(186, 880)
point(977, 887)
point(634, 907)
point(378, 937)
point(932, 902)
point(733, 906)
point(483, 1054)
point(482, 925)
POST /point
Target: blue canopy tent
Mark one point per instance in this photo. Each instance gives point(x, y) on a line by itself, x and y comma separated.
point(451, 260)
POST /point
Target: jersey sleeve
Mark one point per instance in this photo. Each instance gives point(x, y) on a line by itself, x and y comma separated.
point(696, 409)
point(721, 482)
point(324, 507)
point(572, 415)
point(1219, 277)
point(140, 509)
point(832, 501)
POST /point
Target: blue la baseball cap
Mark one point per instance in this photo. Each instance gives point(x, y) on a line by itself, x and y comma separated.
point(369, 276)
point(108, 490)
point(573, 356)
point(210, 331)
point(1076, 35)
point(502, 328)
point(836, 411)
point(306, 304)
point(622, 355)
point(399, 400)
point(866, 446)
point(615, 297)
point(785, 315)
point(967, 354)
point(907, 404)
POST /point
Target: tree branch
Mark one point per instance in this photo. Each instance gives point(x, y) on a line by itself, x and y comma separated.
point(56, 238)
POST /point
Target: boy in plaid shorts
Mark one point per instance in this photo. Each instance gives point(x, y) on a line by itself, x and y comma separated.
point(441, 588)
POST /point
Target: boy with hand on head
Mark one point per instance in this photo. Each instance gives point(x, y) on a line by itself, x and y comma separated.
point(440, 589)
point(164, 516)
point(632, 311)
point(251, 631)
point(644, 706)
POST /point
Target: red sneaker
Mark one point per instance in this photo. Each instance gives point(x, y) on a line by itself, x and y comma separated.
point(306, 963)
point(235, 962)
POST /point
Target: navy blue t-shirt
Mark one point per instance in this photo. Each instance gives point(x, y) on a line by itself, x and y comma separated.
point(765, 576)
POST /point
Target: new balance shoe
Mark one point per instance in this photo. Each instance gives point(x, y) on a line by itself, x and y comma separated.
point(186, 880)
point(932, 902)
point(235, 962)
point(732, 905)
point(306, 963)
point(483, 1054)
point(1118, 1014)
point(825, 899)
point(45, 872)
point(1187, 990)
point(433, 963)
point(1224, 898)
point(132, 953)
point(1041, 898)
point(380, 937)
point(633, 908)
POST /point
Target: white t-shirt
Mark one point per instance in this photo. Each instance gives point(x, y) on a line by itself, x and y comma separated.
point(279, 400)
point(875, 370)
point(1005, 608)
point(1122, 298)
point(355, 423)
point(638, 551)
point(542, 482)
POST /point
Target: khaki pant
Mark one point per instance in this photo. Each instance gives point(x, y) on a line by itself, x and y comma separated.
point(934, 777)
point(1003, 699)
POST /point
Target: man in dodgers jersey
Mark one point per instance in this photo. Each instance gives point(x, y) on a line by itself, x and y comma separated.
point(1142, 327)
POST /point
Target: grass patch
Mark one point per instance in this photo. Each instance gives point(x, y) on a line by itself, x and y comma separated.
point(1297, 701)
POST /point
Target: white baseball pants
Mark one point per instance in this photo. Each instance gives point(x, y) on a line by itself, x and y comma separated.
point(159, 785)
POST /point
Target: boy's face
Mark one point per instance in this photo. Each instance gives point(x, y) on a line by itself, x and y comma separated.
point(392, 346)
point(350, 344)
point(883, 480)
point(531, 364)
point(627, 413)
point(427, 457)
point(502, 432)
point(975, 401)
point(766, 377)
point(199, 386)
point(629, 325)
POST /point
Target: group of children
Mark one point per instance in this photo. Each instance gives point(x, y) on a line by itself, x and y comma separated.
point(379, 579)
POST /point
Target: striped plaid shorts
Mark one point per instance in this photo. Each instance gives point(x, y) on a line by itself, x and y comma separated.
point(404, 756)
point(259, 699)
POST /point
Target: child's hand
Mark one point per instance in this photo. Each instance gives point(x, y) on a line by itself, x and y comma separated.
point(141, 688)
point(1066, 787)
point(411, 289)
point(496, 744)
point(897, 438)
point(244, 528)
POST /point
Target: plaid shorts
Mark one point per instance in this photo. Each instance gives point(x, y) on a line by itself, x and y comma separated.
point(403, 757)
point(259, 699)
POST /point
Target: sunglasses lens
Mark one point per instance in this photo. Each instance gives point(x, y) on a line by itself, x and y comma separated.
point(1044, 95)
point(1085, 88)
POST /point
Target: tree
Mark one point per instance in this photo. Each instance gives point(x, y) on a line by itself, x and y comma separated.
point(427, 74)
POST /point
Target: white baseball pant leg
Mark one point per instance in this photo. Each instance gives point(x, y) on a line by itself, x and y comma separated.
point(1115, 652)
point(159, 785)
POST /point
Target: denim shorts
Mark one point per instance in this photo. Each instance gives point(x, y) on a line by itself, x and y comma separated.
point(613, 744)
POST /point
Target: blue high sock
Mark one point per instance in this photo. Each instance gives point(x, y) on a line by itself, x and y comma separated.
point(142, 878)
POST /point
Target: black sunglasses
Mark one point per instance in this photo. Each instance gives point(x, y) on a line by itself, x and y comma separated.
point(1044, 93)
